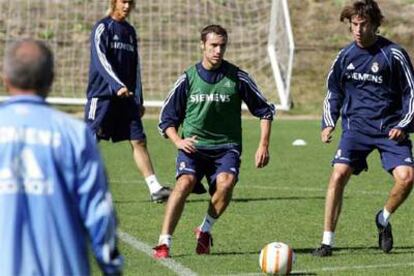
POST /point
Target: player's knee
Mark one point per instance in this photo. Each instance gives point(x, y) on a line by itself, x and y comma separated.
point(139, 143)
point(185, 184)
point(406, 182)
point(341, 173)
point(404, 177)
point(338, 178)
point(409, 181)
point(225, 188)
point(225, 184)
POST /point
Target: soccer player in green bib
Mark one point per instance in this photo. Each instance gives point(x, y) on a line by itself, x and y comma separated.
point(206, 102)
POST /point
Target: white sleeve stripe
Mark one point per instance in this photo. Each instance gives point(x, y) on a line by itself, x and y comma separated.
point(245, 77)
point(332, 67)
point(92, 111)
point(401, 58)
point(327, 78)
point(102, 58)
point(327, 116)
point(336, 58)
point(180, 80)
point(409, 116)
point(326, 108)
point(327, 105)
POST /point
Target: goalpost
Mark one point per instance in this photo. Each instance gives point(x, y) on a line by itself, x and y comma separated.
point(281, 49)
point(260, 40)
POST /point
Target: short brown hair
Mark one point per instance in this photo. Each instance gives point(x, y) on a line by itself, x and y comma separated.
point(363, 8)
point(217, 29)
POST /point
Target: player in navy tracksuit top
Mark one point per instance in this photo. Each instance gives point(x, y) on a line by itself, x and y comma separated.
point(373, 87)
point(115, 102)
point(371, 84)
point(114, 60)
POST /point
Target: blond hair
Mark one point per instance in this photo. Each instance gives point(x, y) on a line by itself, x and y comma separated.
point(112, 4)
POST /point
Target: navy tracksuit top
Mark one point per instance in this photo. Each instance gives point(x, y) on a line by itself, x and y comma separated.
point(373, 89)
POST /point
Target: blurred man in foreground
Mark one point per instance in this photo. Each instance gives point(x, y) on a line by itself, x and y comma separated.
point(54, 196)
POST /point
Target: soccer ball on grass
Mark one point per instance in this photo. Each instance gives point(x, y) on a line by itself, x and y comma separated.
point(276, 258)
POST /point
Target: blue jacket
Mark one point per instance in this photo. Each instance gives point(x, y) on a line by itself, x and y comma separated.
point(54, 196)
point(114, 59)
point(372, 87)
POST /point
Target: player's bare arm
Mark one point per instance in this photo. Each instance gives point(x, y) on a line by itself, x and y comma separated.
point(262, 154)
point(186, 144)
point(326, 134)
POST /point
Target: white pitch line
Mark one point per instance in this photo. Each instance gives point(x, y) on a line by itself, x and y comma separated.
point(145, 248)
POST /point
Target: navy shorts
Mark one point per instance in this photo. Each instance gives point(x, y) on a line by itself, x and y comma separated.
point(208, 163)
point(114, 118)
point(355, 147)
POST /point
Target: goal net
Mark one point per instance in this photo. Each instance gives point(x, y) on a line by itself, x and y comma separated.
point(168, 31)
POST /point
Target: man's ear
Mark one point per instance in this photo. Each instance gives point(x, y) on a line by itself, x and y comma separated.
point(202, 45)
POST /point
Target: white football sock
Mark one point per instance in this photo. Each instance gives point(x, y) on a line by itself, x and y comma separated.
point(153, 184)
point(207, 223)
point(328, 238)
point(384, 217)
point(165, 239)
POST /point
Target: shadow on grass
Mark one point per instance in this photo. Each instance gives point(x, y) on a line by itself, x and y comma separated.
point(126, 201)
point(404, 250)
point(278, 198)
point(245, 200)
point(399, 249)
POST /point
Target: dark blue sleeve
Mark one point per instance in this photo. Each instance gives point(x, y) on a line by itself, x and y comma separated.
point(335, 96)
point(405, 78)
point(138, 89)
point(254, 99)
point(99, 58)
point(173, 110)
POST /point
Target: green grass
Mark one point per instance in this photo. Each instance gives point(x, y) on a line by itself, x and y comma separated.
point(282, 202)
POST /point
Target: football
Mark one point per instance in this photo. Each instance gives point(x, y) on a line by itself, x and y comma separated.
point(276, 258)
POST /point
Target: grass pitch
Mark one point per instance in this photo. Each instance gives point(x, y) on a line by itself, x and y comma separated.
point(282, 202)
